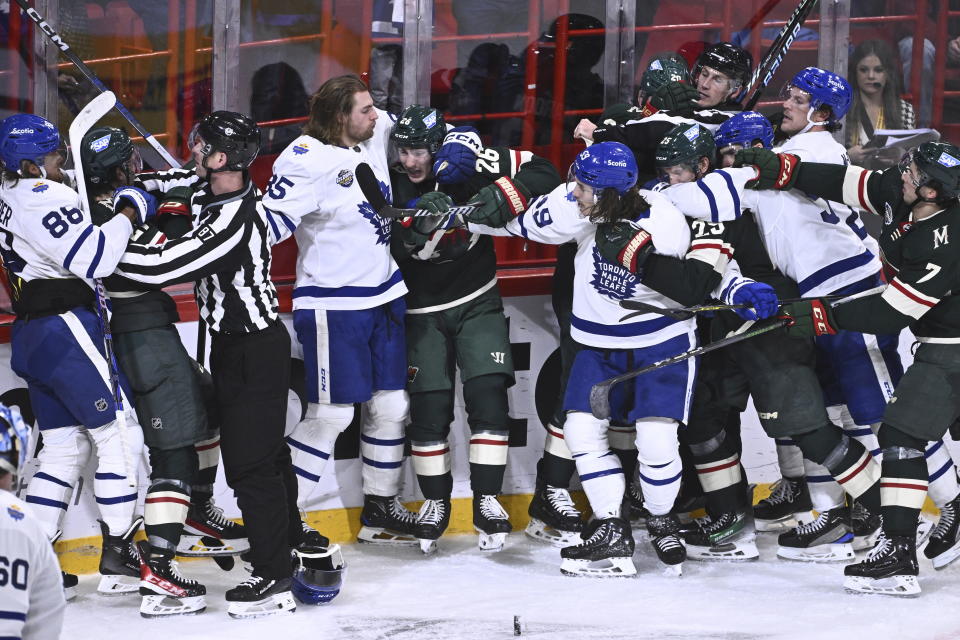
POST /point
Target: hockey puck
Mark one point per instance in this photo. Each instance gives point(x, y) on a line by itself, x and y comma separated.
point(516, 625)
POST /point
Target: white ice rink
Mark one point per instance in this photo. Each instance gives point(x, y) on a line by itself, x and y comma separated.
point(461, 593)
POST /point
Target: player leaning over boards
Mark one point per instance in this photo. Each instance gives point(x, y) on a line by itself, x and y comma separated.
point(31, 594)
point(921, 222)
point(454, 311)
point(347, 311)
point(52, 252)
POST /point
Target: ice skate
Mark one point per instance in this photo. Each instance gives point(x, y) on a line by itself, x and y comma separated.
point(165, 591)
point(889, 569)
point(386, 521)
point(665, 537)
point(638, 513)
point(553, 517)
point(119, 561)
point(207, 532)
point(787, 506)
point(944, 544)
point(491, 522)
point(608, 552)
point(312, 538)
point(70, 582)
point(432, 521)
point(258, 597)
point(866, 527)
point(726, 537)
point(829, 538)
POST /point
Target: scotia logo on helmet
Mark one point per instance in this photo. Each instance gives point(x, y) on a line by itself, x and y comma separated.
point(947, 160)
point(345, 178)
point(21, 131)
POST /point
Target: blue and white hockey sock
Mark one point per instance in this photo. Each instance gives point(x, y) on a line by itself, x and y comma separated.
point(599, 468)
point(658, 458)
point(312, 441)
point(381, 442)
point(116, 499)
point(64, 455)
point(942, 473)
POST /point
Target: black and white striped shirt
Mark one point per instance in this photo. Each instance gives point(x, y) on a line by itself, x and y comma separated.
point(227, 254)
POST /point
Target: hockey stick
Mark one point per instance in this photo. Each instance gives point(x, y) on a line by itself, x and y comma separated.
point(765, 71)
point(85, 120)
point(370, 187)
point(685, 313)
point(92, 77)
point(600, 392)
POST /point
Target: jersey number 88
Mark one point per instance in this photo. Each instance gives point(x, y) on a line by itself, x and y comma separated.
point(55, 223)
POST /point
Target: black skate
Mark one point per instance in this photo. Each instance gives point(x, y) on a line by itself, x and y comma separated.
point(725, 537)
point(70, 582)
point(312, 538)
point(386, 521)
point(490, 521)
point(665, 537)
point(119, 561)
point(890, 569)
point(208, 533)
point(553, 517)
point(165, 591)
point(786, 506)
point(257, 597)
point(866, 527)
point(829, 538)
point(432, 521)
point(608, 552)
point(638, 513)
point(944, 545)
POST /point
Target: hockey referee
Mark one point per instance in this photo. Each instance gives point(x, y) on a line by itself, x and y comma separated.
point(227, 254)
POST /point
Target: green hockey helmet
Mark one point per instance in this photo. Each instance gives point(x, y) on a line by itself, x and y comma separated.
point(938, 167)
point(664, 68)
point(104, 149)
point(685, 144)
point(419, 128)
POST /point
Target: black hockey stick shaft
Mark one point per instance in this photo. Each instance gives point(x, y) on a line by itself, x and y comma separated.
point(765, 71)
point(92, 77)
point(370, 187)
point(685, 313)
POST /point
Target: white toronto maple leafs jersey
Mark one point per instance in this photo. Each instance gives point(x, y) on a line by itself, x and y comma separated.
point(31, 589)
point(820, 245)
point(599, 285)
point(45, 234)
point(344, 259)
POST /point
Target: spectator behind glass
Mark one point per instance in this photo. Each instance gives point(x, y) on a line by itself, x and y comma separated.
point(278, 93)
point(874, 76)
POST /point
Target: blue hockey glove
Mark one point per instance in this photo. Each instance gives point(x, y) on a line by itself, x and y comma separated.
point(761, 297)
point(456, 159)
point(142, 202)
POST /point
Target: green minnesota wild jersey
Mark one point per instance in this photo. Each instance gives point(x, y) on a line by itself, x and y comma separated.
point(446, 267)
point(922, 257)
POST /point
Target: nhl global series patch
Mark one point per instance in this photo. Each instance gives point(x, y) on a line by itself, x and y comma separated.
point(345, 178)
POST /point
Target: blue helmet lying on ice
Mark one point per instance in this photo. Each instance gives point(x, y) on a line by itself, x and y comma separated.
point(744, 129)
point(826, 89)
point(606, 165)
point(317, 574)
point(24, 136)
point(14, 440)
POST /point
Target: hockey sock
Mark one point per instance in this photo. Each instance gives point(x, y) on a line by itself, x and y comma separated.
point(789, 458)
point(431, 413)
point(825, 492)
point(659, 461)
point(431, 463)
point(208, 458)
point(848, 461)
point(942, 473)
point(382, 441)
point(164, 512)
point(116, 499)
point(903, 487)
point(555, 471)
point(64, 454)
point(485, 399)
point(622, 440)
point(719, 473)
point(312, 440)
point(599, 469)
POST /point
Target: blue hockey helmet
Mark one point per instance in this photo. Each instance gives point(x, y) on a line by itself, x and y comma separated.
point(24, 136)
point(317, 574)
point(826, 89)
point(744, 129)
point(606, 165)
point(14, 439)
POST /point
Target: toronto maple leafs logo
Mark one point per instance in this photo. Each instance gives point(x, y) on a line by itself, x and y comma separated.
point(380, 225)
point(612, 280)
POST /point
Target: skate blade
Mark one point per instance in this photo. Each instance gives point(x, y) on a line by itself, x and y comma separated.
point(924, 529)
point(379, 535)
point(942, 560)
point(869, 541)
point(428, 547)
point(673, 571)
point(541, 532)
point(277, 604)
point(490, 541)
point(621, 567)
point(739, 551)
point(191, 546)
point(118, 585)
point(785, 523)
point(158, 606)
point(836, 552)
point(69, 593)
point(903, 586)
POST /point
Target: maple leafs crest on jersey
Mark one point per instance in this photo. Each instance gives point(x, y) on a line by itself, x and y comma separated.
point(382, 226)
point(612, 280)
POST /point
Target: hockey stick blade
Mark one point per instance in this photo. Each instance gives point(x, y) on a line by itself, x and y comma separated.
point(95, 110)
point(370, 187)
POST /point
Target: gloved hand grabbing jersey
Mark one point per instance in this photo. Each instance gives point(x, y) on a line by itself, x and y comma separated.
point(176, 202)
point(676, 97)
point(456, 159)
point(809, 318)
point(143, 204)
point(761, 297)
point(774, 170)
point(625, 243)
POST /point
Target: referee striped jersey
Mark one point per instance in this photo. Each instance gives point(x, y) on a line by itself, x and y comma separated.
point(227, 255)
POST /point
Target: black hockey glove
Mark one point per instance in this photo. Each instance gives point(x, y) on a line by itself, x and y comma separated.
point(499, 202)
point(435, 202)
point(809, 318)
point(774, 170)
point(676, 97)
point(624, 243)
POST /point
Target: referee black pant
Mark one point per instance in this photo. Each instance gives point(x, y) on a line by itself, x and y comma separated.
point(251, 376)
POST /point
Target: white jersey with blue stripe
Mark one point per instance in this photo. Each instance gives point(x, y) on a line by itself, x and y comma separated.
point(598, 285)
point(344, 259)
point(31, 591)
point(46, 234)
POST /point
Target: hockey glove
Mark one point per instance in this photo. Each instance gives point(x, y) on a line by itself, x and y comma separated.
point(456, 160)
point(808, 318)
point(175, 202)
point(625, 243)
point(761, 297)
point(678, 98)
point(436, 202)
point(499, 202)
point(774, 170)
point(143, 203)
